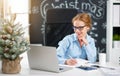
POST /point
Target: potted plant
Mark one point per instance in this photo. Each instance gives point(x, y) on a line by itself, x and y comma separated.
point(116, 40)
point(12, 44)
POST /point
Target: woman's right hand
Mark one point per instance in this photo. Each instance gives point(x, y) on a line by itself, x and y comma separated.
point(71, 62)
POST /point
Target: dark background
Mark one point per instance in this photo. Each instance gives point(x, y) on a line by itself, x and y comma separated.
point(96, 9)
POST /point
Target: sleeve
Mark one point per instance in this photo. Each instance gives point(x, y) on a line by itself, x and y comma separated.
point(62, 49)
point(91, 51)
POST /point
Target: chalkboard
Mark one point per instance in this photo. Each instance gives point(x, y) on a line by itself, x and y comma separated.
point(96, 9)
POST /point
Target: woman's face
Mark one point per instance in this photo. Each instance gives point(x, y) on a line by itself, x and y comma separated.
point(80, 29)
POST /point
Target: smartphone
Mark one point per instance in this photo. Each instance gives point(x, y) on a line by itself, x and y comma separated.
point(97, 66)
point(87, 68)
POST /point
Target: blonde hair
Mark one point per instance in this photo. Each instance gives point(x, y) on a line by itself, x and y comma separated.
point(83, 17)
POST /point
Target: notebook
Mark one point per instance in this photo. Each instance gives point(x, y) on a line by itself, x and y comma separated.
point(45, 58)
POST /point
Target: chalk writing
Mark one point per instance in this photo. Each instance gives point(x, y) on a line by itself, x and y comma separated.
point(96, 11)
point(35, 10)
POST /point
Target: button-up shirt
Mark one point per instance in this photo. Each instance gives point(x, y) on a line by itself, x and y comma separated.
point(70, 46)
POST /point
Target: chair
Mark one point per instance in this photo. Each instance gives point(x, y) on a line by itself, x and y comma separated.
point(58, 25)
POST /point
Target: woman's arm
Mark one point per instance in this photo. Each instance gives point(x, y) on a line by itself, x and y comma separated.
point(91, 50)
point(61, 50)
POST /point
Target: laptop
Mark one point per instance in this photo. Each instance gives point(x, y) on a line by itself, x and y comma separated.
point(45, 58)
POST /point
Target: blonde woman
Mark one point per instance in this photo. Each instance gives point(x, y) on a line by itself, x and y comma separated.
point(78, 44)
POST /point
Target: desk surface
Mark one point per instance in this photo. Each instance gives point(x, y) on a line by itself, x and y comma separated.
point(26, 71)
point(73, 72)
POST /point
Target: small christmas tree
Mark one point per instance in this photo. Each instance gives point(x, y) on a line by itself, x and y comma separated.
point(12, 41)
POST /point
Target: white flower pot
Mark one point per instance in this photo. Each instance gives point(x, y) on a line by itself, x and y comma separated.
point(116, 44)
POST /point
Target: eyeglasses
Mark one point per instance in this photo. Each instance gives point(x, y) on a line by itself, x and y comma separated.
point(79, 28)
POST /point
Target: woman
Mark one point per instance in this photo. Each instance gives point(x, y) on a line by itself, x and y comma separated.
point(78, 44)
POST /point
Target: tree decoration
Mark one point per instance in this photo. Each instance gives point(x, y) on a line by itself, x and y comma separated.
point(12, 41)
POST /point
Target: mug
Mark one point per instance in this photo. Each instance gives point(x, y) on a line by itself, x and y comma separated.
point(102, 58)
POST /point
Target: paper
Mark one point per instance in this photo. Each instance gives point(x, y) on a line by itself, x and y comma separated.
point(81, 62)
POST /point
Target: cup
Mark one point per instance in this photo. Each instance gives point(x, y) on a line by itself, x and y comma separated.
point(102, 58)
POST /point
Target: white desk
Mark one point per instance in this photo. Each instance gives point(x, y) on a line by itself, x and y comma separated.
point(26, 71)
point(73, 72)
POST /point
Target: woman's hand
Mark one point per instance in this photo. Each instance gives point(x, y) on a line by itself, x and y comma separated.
point(71, 62)
point(83, 41)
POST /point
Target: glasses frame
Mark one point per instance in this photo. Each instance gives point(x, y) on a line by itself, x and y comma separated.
point(79, 28)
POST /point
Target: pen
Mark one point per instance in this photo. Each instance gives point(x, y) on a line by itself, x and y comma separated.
point(98, 66)
point(107, 68)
